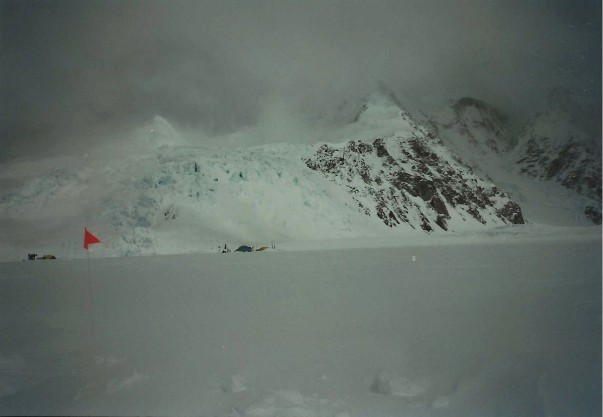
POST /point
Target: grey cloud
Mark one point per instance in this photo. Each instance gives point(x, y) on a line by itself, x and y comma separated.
point(70, 65)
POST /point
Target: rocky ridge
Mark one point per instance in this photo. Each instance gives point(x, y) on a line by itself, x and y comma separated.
point(550, 148)
point(413, 178)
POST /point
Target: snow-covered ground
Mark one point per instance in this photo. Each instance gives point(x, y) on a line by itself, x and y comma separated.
point(496, 324)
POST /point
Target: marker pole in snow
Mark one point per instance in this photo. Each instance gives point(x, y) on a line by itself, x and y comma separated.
point(90, 301)
point(89, 239)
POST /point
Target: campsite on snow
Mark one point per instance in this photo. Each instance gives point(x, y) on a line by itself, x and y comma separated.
point(301, 209)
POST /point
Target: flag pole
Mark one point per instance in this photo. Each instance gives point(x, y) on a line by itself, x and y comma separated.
point(91, 302)
point(90, 239)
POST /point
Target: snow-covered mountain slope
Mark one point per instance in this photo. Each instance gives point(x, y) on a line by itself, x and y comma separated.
point(480, 129)
point(387, 173)
point(411, 178)
point(551, 168)
point(552, 148)
point(155, 194)
point(174, 199)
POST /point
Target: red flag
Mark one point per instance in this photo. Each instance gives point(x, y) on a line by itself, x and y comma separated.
point(89, 238)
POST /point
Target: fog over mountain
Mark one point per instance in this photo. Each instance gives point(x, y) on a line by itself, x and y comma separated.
point(70, 70)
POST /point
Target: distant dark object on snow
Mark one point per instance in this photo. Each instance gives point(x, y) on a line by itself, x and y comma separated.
point(31, 256)
point(244, 249)
point(48, 257)
point(262, 248)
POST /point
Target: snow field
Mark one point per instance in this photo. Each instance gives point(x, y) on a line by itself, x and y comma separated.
point(479, 329)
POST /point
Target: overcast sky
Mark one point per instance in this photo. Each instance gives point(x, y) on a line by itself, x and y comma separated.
point(69, 65)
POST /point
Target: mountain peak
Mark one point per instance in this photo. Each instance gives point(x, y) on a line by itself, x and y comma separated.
point(377, 107)
point(162, 133)
point(465, 103)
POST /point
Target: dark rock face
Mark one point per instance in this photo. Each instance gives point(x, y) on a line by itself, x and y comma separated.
point(414, 180)
point(561, 145)
point(572, 165)
point(558, 145)
point(593, 213)
point(481, 124)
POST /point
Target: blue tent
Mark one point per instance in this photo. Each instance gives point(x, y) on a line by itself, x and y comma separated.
point(244, 249)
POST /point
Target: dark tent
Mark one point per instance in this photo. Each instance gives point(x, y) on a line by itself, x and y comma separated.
point(244, 249)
